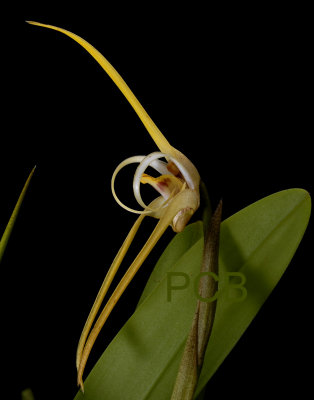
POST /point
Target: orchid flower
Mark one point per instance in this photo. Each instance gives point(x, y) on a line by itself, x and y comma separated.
point(178, 188)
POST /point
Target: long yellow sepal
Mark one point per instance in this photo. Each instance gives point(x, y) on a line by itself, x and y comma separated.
point(105, 286)
point(160, 140)
point(182, 200)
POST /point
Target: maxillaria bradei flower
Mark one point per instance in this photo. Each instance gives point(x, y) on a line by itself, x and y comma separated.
point(178, 186)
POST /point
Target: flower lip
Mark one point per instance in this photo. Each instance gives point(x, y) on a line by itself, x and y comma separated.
point(167, 185)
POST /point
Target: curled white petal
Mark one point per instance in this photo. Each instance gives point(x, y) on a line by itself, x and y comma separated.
point(146, 162)
point(184, 171)
point(158, 165)
point(130, 160)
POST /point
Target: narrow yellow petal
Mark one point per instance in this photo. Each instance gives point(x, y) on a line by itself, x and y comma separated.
point(181, 201)
point(155, 133)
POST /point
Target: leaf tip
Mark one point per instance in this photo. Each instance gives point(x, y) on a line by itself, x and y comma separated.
point(305, 198)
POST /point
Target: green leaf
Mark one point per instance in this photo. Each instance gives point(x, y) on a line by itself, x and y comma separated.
point(6, 235)
point(258, 243)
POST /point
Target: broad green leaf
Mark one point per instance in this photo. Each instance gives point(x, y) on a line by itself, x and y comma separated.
point(6, 235)
point(258, 242)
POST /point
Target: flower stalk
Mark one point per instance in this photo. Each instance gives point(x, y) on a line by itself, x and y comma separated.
point(203, 320)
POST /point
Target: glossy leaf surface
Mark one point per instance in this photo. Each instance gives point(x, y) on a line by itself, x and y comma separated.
point(256, 244)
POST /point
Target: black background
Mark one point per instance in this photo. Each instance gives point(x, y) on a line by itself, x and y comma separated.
point(231, 88)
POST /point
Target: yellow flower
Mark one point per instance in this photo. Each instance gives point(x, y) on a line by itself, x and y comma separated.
point(178, 186)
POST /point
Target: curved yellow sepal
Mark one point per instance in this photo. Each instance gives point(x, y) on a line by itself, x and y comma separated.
point(183, 200)
point(160, 140)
